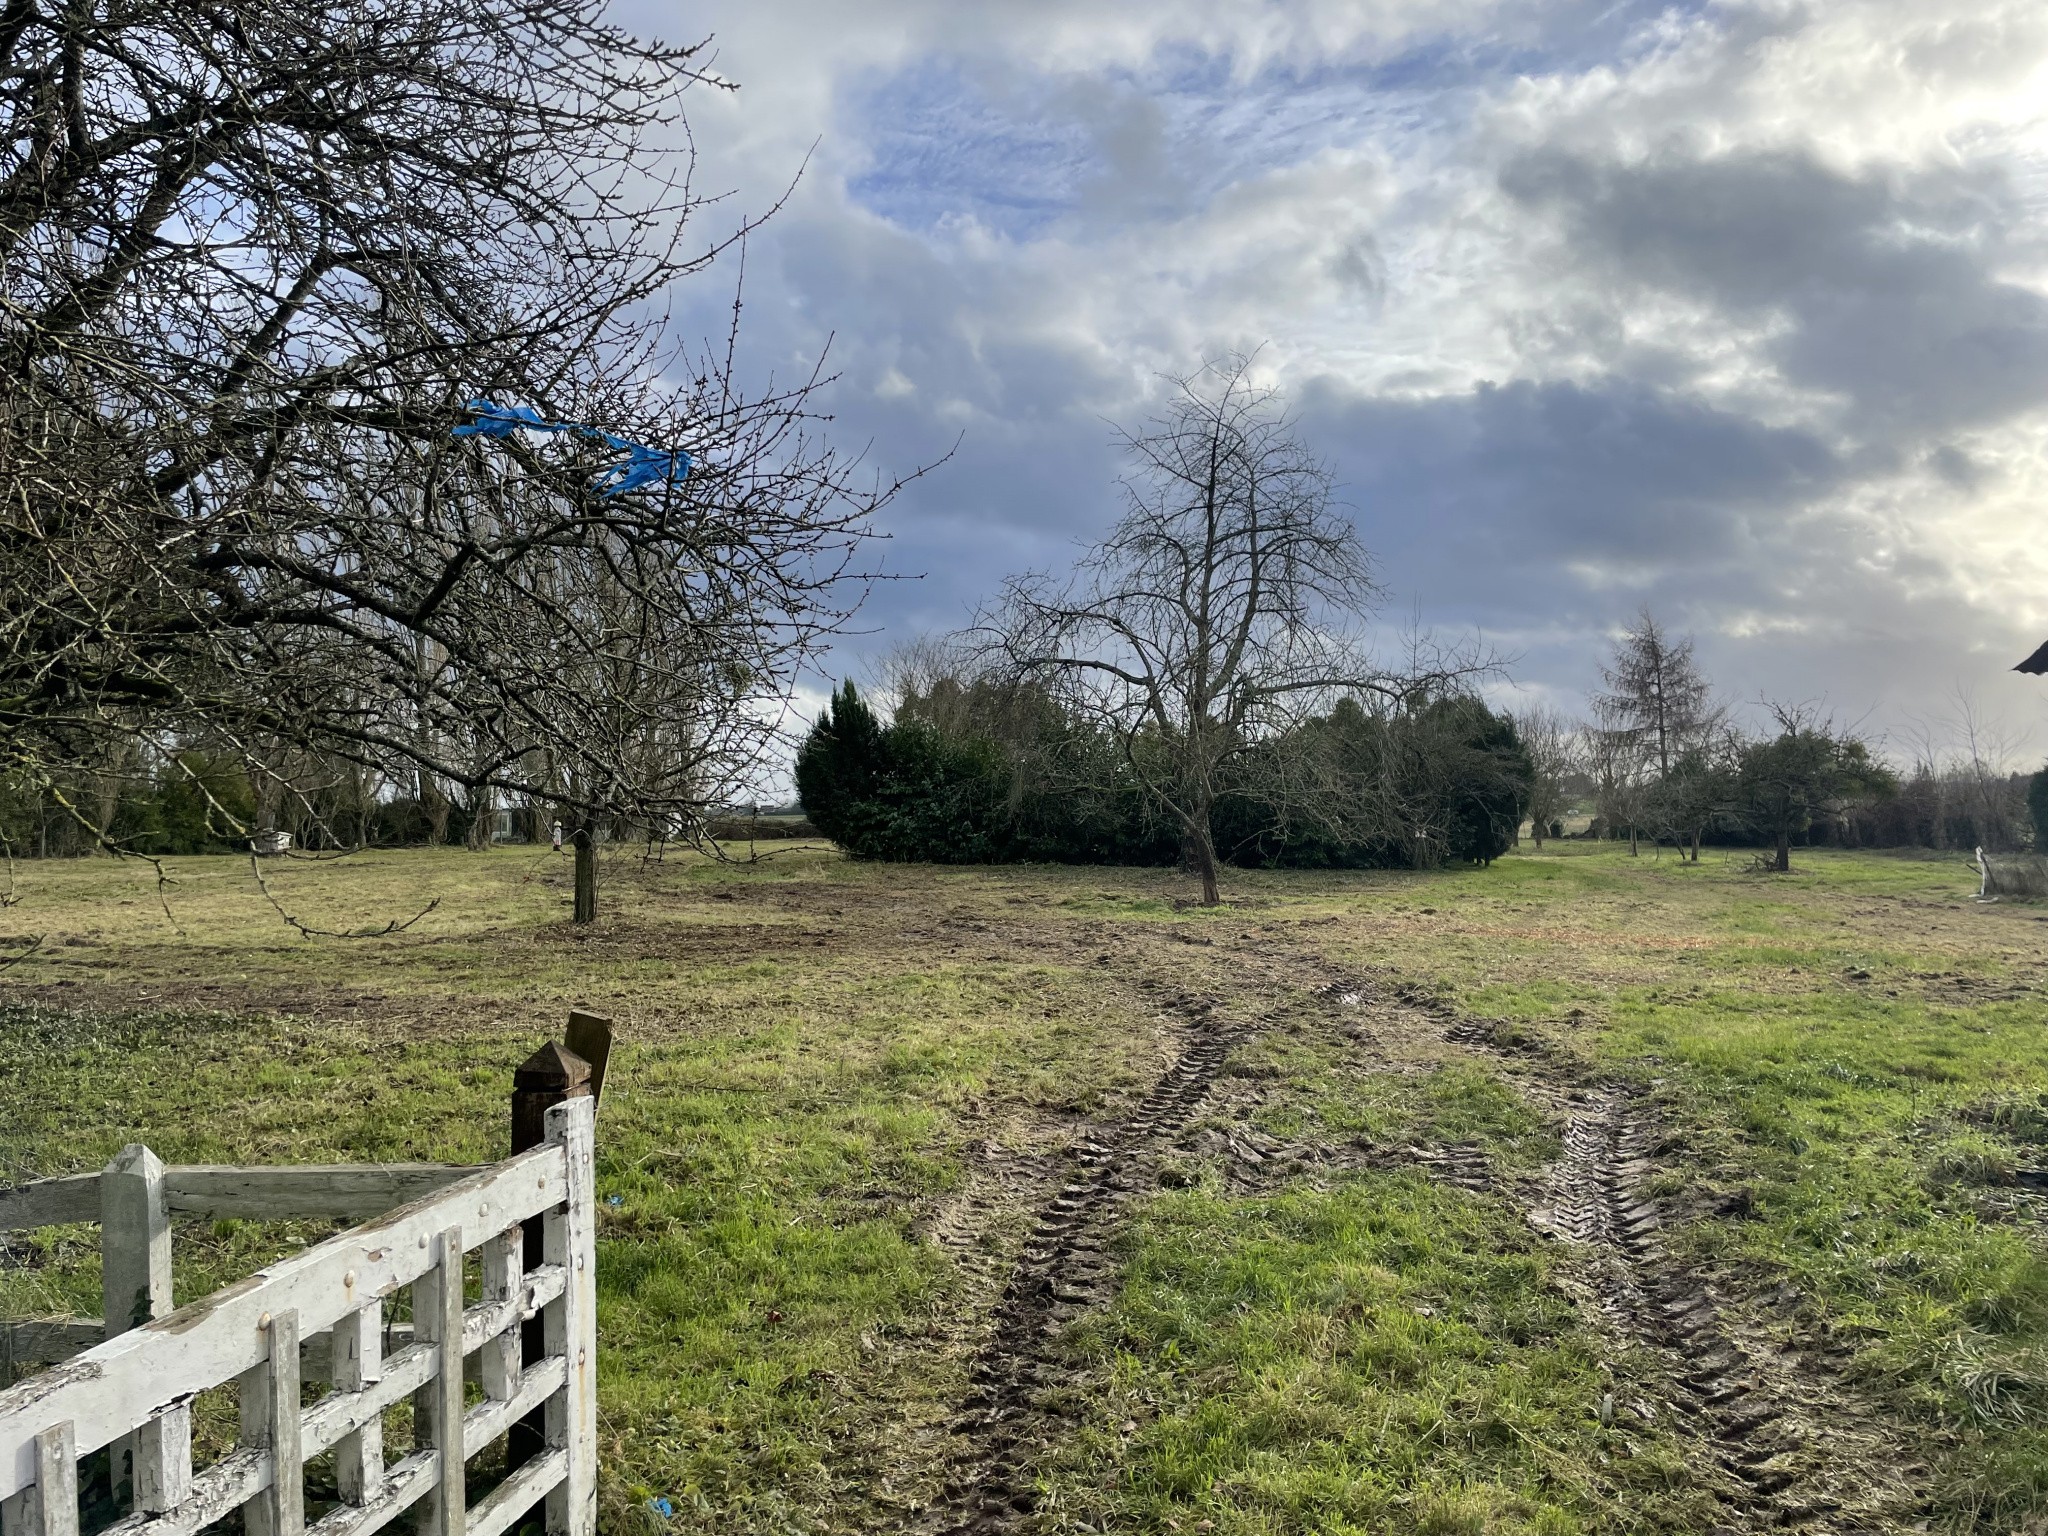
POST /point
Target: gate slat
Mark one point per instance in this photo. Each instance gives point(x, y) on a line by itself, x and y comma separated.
point(56, 1496)
point(499, 1509)
point(437, 1313)
point(357, 1361)
point(569, 1238)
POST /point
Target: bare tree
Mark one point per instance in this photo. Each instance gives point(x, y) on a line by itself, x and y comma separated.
point(1983, 768)
point(1618, 762)
point(298, 306)
point(1551, 741)
point(1655, 692)
point(1221, 609)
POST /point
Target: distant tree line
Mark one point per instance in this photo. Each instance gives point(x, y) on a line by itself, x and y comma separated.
point(992, 769)
point(170, 797)
point(1662, 760)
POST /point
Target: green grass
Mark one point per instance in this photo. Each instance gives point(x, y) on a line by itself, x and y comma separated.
point(755, 1185)
point(1848, 1063)
point(1389, 1356)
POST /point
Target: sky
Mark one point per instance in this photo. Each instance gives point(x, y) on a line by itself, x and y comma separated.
point(1739, 311)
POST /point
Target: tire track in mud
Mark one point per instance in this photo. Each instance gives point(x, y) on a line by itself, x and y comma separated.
point(1063, 1270)
point(1774, 1454)
point(1719, 1391)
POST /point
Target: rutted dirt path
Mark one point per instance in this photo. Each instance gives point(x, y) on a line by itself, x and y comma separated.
point(1059, 1273)
point(1016, 1407)
point(1772, 1431)
point(1790, 1451)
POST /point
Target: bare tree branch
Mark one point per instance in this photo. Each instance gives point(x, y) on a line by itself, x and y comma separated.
point(255, 265)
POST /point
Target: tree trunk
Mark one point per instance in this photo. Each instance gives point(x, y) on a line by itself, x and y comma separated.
point(269, 794)
point(434, 805)
point(1633, 850)
point(1784, 863)
point(1202, 853)
point(483, 809)
point(586, 874)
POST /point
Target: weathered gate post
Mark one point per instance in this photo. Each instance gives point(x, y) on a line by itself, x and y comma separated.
point(135, 1240)
point(548, 1077)
point(135, 1288)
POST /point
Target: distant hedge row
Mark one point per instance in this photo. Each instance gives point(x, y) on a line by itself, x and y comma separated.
point(961, 779)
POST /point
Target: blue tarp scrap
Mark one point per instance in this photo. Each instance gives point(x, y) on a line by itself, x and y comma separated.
point(642, 466)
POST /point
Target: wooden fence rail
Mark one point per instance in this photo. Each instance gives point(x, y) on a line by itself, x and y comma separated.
point(135, 1196)
point(133, 1391)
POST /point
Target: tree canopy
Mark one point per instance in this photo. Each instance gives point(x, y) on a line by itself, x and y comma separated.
point(1809, 769)
point(1221, 612)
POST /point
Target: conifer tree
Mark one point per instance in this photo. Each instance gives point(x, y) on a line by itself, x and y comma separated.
point(1655, 693)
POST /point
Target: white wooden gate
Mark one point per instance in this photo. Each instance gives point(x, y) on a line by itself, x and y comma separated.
point(134, 1391)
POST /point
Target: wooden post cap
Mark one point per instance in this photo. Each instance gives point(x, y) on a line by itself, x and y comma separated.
point(590, 1036)
point(554, 1068)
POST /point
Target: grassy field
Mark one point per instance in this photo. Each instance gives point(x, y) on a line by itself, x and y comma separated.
point(1582, 1193)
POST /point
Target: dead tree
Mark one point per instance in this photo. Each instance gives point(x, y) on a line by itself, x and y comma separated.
point(1655, 693)
point(1552, 742)
point(1618, 762)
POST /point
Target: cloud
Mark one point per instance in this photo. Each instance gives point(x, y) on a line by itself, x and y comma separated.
point(1879, 290)
point(1737, 308)
point(1525, 480)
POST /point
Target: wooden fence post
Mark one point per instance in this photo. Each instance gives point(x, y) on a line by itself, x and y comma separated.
point(547, 1077)
point(589, 1035)
point(550, 1076)
point(135, 1241)
point(135, 1288)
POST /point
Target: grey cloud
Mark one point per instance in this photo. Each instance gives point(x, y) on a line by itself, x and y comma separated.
point(1540, 511)
point(1541, 514)
point(1020, 409)
point(1956, 468)
point(1524, 476)
point(1360, 267)
point(1888, 284)
point(1132, 140)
